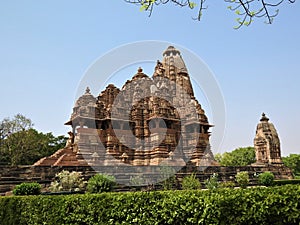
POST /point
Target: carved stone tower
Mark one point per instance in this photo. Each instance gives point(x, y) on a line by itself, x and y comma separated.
point(266, 143)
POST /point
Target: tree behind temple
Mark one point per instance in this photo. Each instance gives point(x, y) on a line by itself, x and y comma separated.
point(238, 157)
point(26, 147)
point(20, 144)
point(293, 162)
point(9, 126)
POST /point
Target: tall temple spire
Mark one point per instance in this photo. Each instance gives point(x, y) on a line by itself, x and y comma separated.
point(175, 69)
point(172, 57)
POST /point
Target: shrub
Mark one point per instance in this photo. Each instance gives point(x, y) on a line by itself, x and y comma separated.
point(68, 181)
point(137, 180)
point(227, 184)
point(101, 183)
point(27, 189)
point(190, 183)
point(242, 178)
point(266, 178)
point(212, 182)
point(168, 178)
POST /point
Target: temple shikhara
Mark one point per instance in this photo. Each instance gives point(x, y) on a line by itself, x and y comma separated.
point(149, 121)
point(266, 143)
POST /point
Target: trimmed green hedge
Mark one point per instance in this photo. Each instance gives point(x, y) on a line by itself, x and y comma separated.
point(284, 182)
point(273, 205)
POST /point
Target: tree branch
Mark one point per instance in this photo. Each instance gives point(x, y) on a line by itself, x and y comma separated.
point(248, 9)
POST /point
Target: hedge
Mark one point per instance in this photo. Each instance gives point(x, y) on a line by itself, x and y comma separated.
point(284, 182)
point(273, 205)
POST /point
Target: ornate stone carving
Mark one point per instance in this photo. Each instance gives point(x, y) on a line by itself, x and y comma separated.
point(70, 141)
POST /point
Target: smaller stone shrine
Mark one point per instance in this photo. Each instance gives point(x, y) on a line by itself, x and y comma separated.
point(267, 143)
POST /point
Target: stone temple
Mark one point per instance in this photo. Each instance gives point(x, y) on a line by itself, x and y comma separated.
point(149, 121)
point(266, 143)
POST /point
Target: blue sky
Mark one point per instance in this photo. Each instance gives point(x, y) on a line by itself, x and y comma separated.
point(46, 47)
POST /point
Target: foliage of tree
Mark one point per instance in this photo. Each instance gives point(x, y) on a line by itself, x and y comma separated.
point(242, 178)
point(20, 144)
point(26, 147)
point(293, 162)
point(101, 183)
point(18, 123)
point(68, 181)
point(191, 183)
point(9, 126)
point(238, 157)
point(246, 10)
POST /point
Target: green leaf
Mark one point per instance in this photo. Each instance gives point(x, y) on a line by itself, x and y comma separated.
point(143, 7)
point(192, 5)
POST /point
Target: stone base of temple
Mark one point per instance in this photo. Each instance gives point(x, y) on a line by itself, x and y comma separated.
point(278, 169)
point(11, 176)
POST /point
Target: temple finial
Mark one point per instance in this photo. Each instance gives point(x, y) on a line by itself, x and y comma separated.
point(87, 90)
point(263, 117)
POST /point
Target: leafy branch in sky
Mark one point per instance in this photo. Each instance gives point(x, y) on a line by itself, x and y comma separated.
point(246, 10)
point(249, 9)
